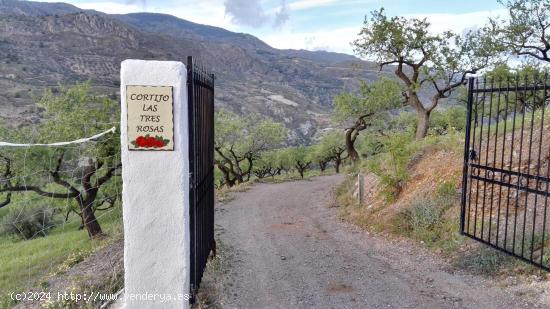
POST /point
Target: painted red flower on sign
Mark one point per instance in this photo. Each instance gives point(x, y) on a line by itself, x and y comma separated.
point(140, 141)
point(148, 141)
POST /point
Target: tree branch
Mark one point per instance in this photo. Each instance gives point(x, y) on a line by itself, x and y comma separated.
point(110, 200)
point(39, 191)
point(57, 178)
point(108, 175)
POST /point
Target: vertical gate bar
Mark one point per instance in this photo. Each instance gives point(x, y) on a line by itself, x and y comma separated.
point(211, 161)
point(192, 218)
point(197, 109)
point(473, 154)
point(488, 142)
point(479, 155)
point(466, 153)
point(519, 170)
point(528, 170)
point(538, 170)
point(494, 161)
point(512, 161)
point(502, 165)
point(547, 183)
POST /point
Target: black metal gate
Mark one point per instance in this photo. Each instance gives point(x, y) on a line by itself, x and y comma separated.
point(505, 185)
point(200, 87)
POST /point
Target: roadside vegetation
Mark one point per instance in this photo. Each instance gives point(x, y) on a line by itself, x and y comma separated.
point(411, 158)
point(59, 205)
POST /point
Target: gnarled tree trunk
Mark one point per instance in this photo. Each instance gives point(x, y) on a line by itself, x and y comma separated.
point(423, 117)
point(350, 144)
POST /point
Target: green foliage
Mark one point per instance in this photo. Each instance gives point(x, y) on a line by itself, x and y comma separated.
point(267, 164)
point(247, 134)
point(408, 41)
point(424, 214)
point(524, 31)
point(391, 165)
point(26, 264)
point(403, 122)
point(331, 147)
point(330, 142)
point(370, 144)
point(484, 261)
point(240, 142)
point(301, 154)
point(75, 112)
point(373, 98)
point(302, 157)
point(66, 172)
point(449, 120)
point(439, 61)
point(446, 194)
point(426, 218)
point(28, 222)
point(72, 113)
point(284, 159)
point(367, 110)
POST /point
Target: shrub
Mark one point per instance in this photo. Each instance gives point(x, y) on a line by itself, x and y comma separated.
point(484, 261)
point(404, 122)
point(391, 166)
point(446, 194)
point(423, 215)
point(445, 121)
point(28, 222)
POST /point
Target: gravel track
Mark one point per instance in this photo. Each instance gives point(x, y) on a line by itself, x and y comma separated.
point(289, 250)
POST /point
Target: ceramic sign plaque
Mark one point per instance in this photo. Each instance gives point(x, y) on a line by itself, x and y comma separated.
point(150, 118)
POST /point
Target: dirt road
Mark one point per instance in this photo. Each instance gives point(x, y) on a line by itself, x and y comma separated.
point(289, 250)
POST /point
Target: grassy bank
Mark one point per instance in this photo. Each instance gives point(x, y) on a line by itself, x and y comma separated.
point(27, 265)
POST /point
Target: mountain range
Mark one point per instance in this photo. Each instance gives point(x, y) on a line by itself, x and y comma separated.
point(43, 45)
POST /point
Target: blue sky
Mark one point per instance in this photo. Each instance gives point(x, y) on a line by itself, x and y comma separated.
point(305, 24)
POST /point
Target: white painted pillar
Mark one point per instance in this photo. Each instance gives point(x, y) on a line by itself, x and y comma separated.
point(155, 198)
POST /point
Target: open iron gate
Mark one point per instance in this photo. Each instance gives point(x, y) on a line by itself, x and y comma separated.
point(505, 185)
point(200, 87)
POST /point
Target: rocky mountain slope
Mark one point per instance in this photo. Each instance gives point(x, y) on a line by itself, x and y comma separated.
point(44, 44)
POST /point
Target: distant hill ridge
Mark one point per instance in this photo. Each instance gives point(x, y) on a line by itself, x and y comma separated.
point(47, 43)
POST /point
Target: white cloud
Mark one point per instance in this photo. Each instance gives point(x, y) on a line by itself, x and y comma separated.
point(252, 13)
point(336, 40)
point(458, 22)
point(308, 4)
point(208, 12)
point(111, 7)
point(340, 39)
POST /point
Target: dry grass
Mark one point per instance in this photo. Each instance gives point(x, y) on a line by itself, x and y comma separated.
point(225, 194)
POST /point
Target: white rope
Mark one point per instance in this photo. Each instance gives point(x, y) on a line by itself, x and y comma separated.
point(78, 141)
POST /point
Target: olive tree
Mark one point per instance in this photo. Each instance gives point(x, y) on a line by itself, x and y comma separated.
point(81, 173)
point(301, 157)
point(525, 30)
point(267, 165)
point(364, 109)
point(441, 62)
point(333, 149)
point(239, 142)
